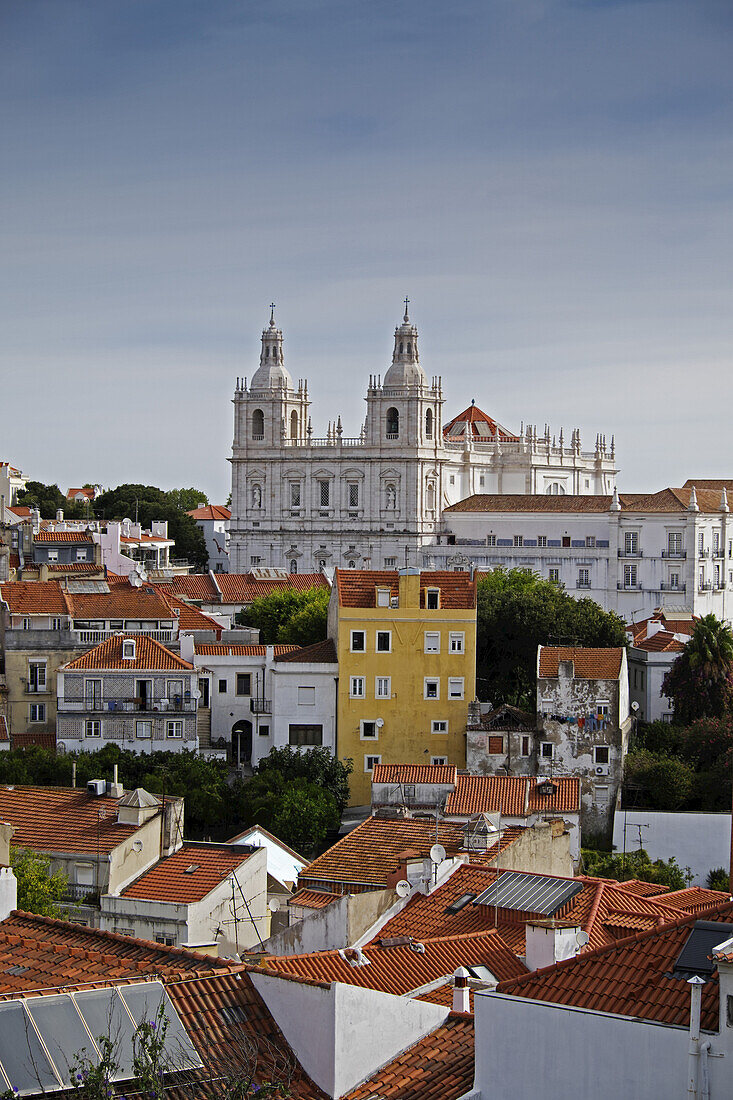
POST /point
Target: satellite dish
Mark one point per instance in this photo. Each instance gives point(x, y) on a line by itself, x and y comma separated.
point(582, 938)
point(274, 905)
point(634, 706)
point(380, 722)
point(402, 889)
point(437, 853)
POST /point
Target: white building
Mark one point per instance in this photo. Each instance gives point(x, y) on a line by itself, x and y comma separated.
point(656, 643)
point(630, 552)
point(213, 519)
point(306, 502)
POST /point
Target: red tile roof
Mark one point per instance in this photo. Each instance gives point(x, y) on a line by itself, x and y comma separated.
point(643, 889)
point(195, 586)
point(664, 501)
point(511, 795)
point(589, 664)
point(210, 511)
point(171, 879)
point(122, 602)
point(629, 978)
point(415, 773)
point(455, 429)
point(242, 588)
point(82, 567)
point(38, 738)
point(357, 587)
point(190, 618)
point(57, 819)
point(224, 649)
point(320, 653)
point(35, 598)
point(51, 535)
point(695, 899)
point(661, 642)
point(312, 899)
point(401, 969)
point(149, 654)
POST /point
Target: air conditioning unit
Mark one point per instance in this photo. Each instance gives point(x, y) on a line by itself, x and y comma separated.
point(96, 787)
point(602, 769)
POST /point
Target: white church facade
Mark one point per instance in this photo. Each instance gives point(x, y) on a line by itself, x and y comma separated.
point(306, 503)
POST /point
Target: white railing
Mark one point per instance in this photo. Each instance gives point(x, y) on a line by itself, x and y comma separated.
point(93, 637)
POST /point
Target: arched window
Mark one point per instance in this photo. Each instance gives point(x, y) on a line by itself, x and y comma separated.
point(430, 497)
point(402, 347)
point(429, 424)
point(258, 424)
point(256, 496)
point(393, 423)
point(267, 351)
point(293, 425)
point(293, 565)
point(390, 494)
point(409, 348)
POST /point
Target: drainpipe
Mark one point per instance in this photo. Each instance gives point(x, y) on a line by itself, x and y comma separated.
point(695, 983)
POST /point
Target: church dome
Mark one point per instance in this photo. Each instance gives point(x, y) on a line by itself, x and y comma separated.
point(478, 425)
point(271, 373)
point(405, 369)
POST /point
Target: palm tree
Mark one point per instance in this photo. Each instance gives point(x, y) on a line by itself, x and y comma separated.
point(700, 682)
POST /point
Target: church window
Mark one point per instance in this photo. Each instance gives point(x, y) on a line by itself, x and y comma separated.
point(402, 348)
point(429, 424)
point(258, 424)
point(267, 351)
point(256, 496)
point(353, 488)
point(430, 498)
point(324, 494)
point(391, 495)
point(295, 494)
point(293, 425)
point(409, 348)
point(393, 423)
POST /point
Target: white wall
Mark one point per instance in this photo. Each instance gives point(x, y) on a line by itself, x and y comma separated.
point(699, 841)
point(287, 708)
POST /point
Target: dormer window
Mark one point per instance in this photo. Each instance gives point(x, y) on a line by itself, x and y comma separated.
point(383, 597)
point(432, 599)
point(128, 650)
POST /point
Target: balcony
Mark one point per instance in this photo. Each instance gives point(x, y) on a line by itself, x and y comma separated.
point(666, 587)
point(719, 553)
point(31, 689)
point(260, 706)
point(703, 552)
point(623, 587)
point(75, 891)
point(93, 637)
point(631, 553)
point(705, 586)
point(679, 555)
point(174, 706)
point(582, 584)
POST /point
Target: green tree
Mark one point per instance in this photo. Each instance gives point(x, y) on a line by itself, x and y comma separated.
point(289, 616)
point(718, 879)
point(700, 682)
point(304, 815)
point(149, 503)
point(186, 499)
point(636, 864)
point(316, 765)
point(39, 890)
point(667, 783)
point(48, 499)
point(517, 610)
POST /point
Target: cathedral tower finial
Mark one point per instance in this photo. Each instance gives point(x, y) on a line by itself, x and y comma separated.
point(406, 319)
point(272, 314)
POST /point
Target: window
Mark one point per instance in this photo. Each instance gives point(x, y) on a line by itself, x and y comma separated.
point(455, 687)
point(601, 754)
point(144, 730)
point(164, 938)
point(174, 691)
point(584, 578)
point(702, 577)
point(716, 541)
point(369, 731)
point(390, 563)
point(525, 746)
point(306, 696)
point(222, 687)
point(36, 676)
point(38, 712)
point(491, 540)
point(701, 542)
point(383, 597)
point(293, 425)
point(116, 624)
point(384, 641)
point(439, 761)
point(481, 481)
point(393, 423)
point(674, 543)
point(174, 728)
point(457, 640)
point(496, 744)
point(128, 649)
point(26, 624)
point(429, 424)
point(255, 560)
point(370, 762)
point(295, 494)
point(603, 708)
point(81, 555)
point(546, 750)
point(553, 575)
point(432, 641)
point(258, 424)
point(356, 688)
point(353, 489)
point(566, 541)
point(431, 688)
point(674, 580)
point(432, 599)
point(324, 494)
point(519, 540)
point(716, 576)
point(439, 725)
point(383, 687)
point(542, 540)
point(55, 624)
point(53, 555)
point(590, 540)
point(305, 735)
point(452, 480)
point(244, 683)
point(630, 576)
point(631, 542)
point(93, 694)
point(125, 931)
point(92, 727)
point(358, 641)
point(84, 874)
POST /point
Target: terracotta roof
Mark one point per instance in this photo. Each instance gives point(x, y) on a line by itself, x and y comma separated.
point(196, 586)
point(489, 430)
point(57, 952)
point(88, 492)
point(73, 567)
point(190, 618)
point(224, 649)
point(695, 899)
point(510, 502)
point(629, 978)
point(171, 879)
point(58, 819)
point(35, 598)
point(123, 602)
point(401, 969)
point(438, 1067)
point(511, 795)
point(242, 588)
point(38, 738)
point(357, 587)
point(312, 899)
point(320, 653)
point(643, 889)
point(149, 654)
point(715, 483)
point(369, 853)
point(661, 642)
point(590, 664)
point(210, 511)
point(415, 773)
point(51, 535)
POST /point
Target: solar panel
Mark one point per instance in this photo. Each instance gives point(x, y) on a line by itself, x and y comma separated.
point(144, 1002)
point(539, 894)
point(693, 958)
point(104, 1014)
point(23, 1058)
point(63, 1030)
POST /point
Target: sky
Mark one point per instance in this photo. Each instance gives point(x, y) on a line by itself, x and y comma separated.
point(550, 181)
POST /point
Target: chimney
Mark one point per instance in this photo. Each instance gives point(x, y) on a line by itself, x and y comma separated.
point(60, 515)
point(549, 942)
point(473, 721)
point(461, 992)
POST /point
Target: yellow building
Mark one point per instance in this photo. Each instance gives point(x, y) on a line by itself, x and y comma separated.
point(406, 645)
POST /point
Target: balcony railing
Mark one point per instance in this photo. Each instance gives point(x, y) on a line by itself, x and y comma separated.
point(719, 553)
point(76, 892)
point(149, 706)
point(582, 584)
point(705, 586)
point(31, 689)
point(679, 554)
point(631, 553)
point(260, 706)
point(666, 587)
point(703, 552)
point(622, 586)
point(92, 637)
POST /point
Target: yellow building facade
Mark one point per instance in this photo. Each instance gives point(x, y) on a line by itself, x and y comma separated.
point(406, 644)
